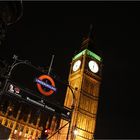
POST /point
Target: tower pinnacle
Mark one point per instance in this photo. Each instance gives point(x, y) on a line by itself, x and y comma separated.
point(87, 40)
point(90, 31)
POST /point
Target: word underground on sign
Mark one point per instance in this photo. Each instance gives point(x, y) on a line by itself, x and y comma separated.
point(40, 84)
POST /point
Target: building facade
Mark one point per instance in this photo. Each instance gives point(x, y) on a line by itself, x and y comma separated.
point(25, 121)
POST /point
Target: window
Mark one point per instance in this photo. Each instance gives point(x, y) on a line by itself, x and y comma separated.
point(11, 125)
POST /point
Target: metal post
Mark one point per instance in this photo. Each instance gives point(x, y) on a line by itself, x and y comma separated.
point(72, 108)
point(50, 65)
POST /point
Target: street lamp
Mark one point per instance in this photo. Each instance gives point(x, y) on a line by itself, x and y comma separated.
point(75, 132)
point(13, 65)
point(72, 108)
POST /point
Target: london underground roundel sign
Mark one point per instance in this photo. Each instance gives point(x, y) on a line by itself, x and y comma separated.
point(45, 85)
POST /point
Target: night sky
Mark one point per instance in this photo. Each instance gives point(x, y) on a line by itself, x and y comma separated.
point(48, 28)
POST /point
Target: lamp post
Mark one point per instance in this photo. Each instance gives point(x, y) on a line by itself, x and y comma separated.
point(13, 65)
point(72, 108)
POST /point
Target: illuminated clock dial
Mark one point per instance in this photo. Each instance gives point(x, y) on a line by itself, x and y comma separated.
point(76, 65)
point(93, 66)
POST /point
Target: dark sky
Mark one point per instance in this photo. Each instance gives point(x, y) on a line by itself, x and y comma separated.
point(48, 28)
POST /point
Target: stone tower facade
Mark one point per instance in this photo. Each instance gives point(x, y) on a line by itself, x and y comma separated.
point(84, 80)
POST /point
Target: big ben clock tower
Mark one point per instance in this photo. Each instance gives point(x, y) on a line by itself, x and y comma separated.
point(85, 80)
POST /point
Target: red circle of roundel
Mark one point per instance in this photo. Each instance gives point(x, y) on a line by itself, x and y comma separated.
point(46, 93)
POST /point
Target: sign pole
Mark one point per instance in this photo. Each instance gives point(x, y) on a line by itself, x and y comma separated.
point(50, 65)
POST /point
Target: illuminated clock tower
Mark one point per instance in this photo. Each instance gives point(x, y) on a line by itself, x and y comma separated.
point(85, 80)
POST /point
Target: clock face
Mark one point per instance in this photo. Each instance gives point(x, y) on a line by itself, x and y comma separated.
point(76, 65)
point(93, 66)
